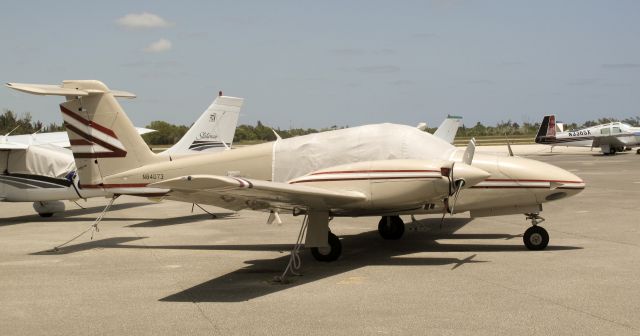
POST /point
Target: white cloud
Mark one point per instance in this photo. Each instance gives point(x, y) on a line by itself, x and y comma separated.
point(143, 20)
point(160, 45)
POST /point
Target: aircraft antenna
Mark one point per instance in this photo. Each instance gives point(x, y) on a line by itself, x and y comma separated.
point(11, 131)
point(509, 145)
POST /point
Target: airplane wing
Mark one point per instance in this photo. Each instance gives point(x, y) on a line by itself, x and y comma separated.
point(60, 139)
point(257, 194)
point(12, 145)
point(448, 129)
point(142, 130)
point(612, 141)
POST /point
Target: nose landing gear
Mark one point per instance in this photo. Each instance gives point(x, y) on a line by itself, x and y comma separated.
point(391, 227)
point(536, 237)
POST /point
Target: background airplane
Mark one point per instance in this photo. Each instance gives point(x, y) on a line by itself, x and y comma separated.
point(59, 139)
point(449, 128)
point(373, 170)
point(35, 168)
point(611, 138)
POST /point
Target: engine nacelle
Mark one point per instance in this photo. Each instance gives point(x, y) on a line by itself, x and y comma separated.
point(388, 184)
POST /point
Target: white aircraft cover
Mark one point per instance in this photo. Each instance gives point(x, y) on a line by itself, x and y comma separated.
point(45, 160)
point(301, 155)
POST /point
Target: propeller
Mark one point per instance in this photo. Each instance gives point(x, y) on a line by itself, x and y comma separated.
point(461, 175)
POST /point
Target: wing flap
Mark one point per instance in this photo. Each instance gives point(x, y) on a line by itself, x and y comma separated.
point(607, 140)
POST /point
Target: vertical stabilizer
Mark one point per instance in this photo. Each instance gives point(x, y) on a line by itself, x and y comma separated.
point(448, 129)
point(213, 131)
point(547, 129)
point(103, 139)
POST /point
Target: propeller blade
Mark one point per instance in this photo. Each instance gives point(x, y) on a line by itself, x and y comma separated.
point(468, 174)
point(459, 185)
point(467, 157)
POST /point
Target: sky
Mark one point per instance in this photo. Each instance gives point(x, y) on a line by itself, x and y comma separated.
point(315, 64)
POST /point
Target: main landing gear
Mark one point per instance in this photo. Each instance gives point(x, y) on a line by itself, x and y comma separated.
point(329, 253)
point(536, 237)
point(391, 227)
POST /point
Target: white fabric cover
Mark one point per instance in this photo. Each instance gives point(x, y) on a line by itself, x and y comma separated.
point(301, 155)
point(46, 160)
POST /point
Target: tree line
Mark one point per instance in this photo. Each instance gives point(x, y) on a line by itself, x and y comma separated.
point(24, 124)
point(168, 134)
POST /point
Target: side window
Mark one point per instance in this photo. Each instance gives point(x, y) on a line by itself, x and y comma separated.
point(604, 131)
point(616, 130)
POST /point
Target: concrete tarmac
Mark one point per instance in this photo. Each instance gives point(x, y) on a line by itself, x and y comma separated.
point(157, 268)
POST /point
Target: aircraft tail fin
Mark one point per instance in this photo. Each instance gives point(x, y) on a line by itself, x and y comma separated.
point(103, 140)
point(214, 130)
point(448, 129)
point(547, 128)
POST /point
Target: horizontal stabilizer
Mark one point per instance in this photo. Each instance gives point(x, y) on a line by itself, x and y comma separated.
point(62, 90)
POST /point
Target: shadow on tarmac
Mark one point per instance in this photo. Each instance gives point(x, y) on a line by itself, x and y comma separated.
point(69, 215)
point(359, 250)
point(158, 222)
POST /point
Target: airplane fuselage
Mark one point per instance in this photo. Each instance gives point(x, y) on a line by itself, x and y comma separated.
point(516, 184)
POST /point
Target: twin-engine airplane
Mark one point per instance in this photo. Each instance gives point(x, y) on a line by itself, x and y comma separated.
point(35, 168)
point(611, 138)
point(374, 170)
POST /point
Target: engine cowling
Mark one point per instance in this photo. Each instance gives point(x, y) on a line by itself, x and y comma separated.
point(387, 184)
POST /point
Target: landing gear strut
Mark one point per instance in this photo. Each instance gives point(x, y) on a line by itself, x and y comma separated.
point(536, 237)
point(391, 227)
point(329, 253)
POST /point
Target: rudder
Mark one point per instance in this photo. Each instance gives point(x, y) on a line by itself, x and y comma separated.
point(547, 129)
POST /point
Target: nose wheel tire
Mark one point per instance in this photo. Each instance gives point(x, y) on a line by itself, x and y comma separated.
point(391, 227)
point(329, 253)
point(536, 238)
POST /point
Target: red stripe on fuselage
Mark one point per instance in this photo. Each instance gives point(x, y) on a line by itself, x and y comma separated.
point(115, 185)
point(375, 171)
point(521, 180)
point(368, 178)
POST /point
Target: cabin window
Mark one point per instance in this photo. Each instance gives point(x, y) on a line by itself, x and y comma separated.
point(616, 130)
point(604, 131)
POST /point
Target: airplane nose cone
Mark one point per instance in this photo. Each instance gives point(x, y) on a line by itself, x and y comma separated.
point(470, 174)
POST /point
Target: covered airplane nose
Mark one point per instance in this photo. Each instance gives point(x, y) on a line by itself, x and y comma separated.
point(548, 182)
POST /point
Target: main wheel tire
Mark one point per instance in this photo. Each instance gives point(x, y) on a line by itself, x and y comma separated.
point(45, 214)
point(391, 227)
point(330, 253)
point(638, 151)
point(536, 238)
